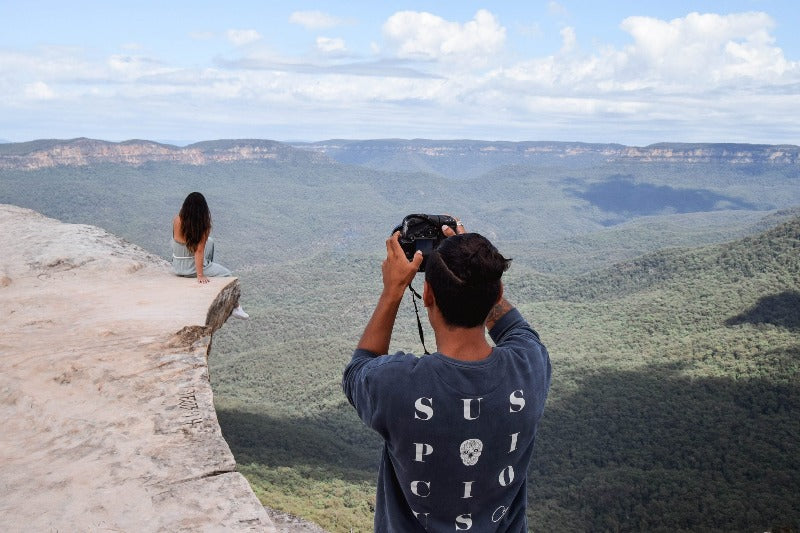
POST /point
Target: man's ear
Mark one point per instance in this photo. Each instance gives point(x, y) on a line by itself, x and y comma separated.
point(428, 298)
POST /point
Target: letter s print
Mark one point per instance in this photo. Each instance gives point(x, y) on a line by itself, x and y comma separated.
point(517, 401)
point(423, 411)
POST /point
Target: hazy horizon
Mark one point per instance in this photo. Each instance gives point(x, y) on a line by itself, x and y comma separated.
point(185, 143)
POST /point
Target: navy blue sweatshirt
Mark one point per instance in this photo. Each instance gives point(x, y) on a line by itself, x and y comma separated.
point(458, 436)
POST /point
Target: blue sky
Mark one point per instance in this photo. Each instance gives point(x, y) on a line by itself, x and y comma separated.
point(629, 72)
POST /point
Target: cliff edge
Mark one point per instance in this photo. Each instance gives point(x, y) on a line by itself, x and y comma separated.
point(108, 420)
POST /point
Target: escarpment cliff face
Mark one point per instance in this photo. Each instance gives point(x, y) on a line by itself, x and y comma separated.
point(501, 151)
point(35, 155)
point(82, 152)
point(108, 422)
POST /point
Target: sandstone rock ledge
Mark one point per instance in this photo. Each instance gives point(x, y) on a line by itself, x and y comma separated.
point(108, 422)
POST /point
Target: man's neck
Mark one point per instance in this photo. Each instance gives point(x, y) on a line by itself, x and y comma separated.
point(464, 344)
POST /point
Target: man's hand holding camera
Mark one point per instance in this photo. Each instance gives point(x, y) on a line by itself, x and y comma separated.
point(398, 271)
point(399, 268)
point(448, 231)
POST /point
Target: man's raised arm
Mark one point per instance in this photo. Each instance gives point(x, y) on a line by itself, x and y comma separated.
point(497, 312)
point(398, 272)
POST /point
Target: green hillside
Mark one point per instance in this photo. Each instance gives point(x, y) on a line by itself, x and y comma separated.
point(677, 407)
point(673, 326)
point(674, 403)
point(268, 212)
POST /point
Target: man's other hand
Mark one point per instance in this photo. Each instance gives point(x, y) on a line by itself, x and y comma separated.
point(448, 231)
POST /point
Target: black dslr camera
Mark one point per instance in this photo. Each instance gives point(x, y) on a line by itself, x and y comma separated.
point(422, 232)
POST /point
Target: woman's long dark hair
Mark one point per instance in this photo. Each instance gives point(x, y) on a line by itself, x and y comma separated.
point(195, 220)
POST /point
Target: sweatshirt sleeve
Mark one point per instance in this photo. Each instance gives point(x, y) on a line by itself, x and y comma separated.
point(355, 384)
point(513, 333)
point(512, 325)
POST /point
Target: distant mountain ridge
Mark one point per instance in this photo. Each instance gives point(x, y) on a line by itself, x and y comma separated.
point(470, 159)
point(391, 154)
point(48, 153)
point(684, 152)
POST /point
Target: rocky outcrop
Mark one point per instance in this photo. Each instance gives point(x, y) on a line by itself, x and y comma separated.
point(107, 408)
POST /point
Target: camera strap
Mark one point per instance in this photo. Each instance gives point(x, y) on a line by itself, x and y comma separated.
point(414, 297)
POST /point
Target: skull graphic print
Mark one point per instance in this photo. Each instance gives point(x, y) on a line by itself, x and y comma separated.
point(471, 451)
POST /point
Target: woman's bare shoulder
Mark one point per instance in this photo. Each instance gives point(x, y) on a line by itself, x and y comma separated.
point(177, 229)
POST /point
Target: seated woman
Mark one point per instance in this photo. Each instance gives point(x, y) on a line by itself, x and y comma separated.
point(192, 245)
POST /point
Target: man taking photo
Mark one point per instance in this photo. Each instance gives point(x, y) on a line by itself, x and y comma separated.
point(458, 425)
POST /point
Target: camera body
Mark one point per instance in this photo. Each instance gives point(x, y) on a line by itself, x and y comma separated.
point(422, 232)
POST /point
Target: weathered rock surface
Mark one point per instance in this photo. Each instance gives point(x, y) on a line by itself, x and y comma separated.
point(108, 422)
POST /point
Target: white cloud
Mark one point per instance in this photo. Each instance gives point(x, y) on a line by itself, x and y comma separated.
point(47, 64)
point(530, 30)
point(556, 9)
point(243, 37)
point(132, 47)
point(202, 35)
point(684, 76)
point(315, 20)
point(697, 54)
point(568, 39)
point(426, 36)
point(38, 91)
point(330, 45)
point(702, 49)
point(130, 68)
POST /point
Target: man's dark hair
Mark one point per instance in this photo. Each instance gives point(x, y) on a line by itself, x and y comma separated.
point(464, 273)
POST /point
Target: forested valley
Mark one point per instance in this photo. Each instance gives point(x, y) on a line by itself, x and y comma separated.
point(668, 295)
